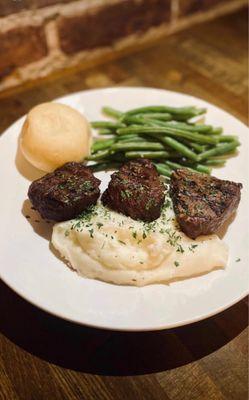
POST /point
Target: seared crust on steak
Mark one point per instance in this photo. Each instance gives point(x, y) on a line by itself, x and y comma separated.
point(136, 190)
point(64, 193)
point(202, 203)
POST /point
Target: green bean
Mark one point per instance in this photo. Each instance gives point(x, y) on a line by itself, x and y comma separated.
point(182, 118)
point(188, 127)
point(219, 150)
point(119, 139)
point(177, 125)
point(202, 168)
point(140, 120)
point(217, 162)
point(103, 166)
point(216, 131)
point(133, 119)
point(192, 136)
point(129, 138)
point(147, 154)
point(137, 146)
point(153, 122)
point(198, 147)
point(107, 124)
point(163, 170)
point(156, 116)
point(174, 165)
point(194, 167)
point(105, 132)
point(102, 145)
point(111, 112)
point(180, 148)
point(227, 138)
point(98, 156)
point(194, 146)
point(153, 132)
point(169, 145)
point(193, 111)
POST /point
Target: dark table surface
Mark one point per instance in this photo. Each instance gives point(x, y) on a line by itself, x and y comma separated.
point(43, 357)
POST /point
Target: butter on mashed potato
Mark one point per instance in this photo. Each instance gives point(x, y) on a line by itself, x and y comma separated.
point(105, 245)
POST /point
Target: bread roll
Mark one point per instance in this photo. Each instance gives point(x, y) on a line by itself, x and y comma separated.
point(54, 134)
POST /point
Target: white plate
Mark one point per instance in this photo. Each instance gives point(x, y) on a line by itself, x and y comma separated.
point(29, 267)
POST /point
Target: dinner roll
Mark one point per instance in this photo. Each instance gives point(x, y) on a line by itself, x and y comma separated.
point(54, 134)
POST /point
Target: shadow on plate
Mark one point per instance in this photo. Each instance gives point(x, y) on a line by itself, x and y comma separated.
point(114, 353)
point(40, 226)
point(24, 167)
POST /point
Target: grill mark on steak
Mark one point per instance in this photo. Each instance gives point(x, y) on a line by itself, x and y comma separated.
point(64, 193)
point(136, 190)
point(202, 203)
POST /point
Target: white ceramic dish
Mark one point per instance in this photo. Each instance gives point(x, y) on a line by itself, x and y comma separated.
point(29, 266)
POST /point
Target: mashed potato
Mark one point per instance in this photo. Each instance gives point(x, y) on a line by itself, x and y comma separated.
point(54, 134)
point(105, 245)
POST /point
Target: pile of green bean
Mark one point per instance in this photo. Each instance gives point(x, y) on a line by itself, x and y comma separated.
point(163, 134)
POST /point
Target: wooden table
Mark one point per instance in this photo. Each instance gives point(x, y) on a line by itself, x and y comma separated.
point(43, 357)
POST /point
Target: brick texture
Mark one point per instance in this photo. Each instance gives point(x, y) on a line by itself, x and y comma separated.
point(187, 7)
point(72, 28)
point(21, 46)
point(109, 23)
point(14, 6)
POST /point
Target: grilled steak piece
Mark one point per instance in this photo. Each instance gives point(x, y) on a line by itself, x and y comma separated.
point(202, 203)
point(136, 190)
point(64, 193)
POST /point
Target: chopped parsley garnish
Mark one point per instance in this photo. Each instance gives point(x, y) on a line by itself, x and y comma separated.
point(180, 248)
point(149, 204)
point(238, 260)
point(91, 232)
point(125, 194)
point(192, 247)
point(176, 263)
point(61, 186)
point(86, 185)
point(167, 203)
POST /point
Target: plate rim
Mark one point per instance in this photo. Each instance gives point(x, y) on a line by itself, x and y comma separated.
point(126, 329)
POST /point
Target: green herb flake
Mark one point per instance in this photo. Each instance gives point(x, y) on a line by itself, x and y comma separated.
point(149, 204)
point(192, 247)
point(61, 186)
point(120, 241)
point(238, 260)
point(91, 232)
point(176, 263)
point(123, 195)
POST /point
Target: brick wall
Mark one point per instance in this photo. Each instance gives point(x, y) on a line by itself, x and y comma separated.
point(40, 37)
